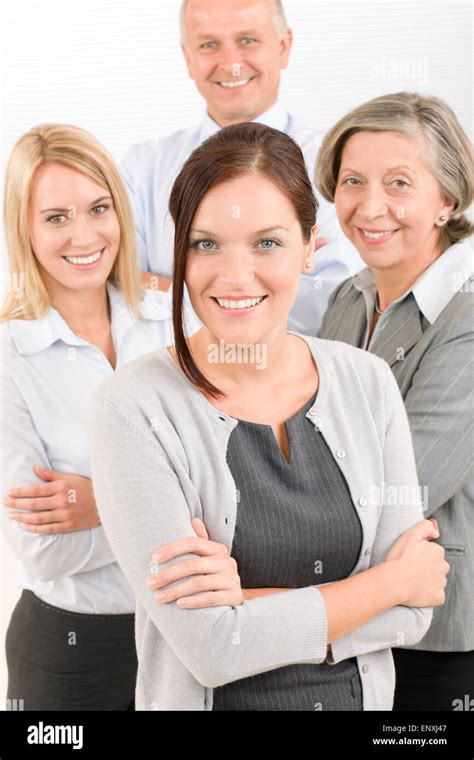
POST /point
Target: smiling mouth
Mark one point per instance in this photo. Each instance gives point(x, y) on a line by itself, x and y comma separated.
point(377, 235)
point(234, 83)
point(87, 260)
point(242, 304)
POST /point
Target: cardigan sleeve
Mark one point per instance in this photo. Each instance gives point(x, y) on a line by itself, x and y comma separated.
point(142, 506)
point(400, 625)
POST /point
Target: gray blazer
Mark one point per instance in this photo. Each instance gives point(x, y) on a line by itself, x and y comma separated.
point(432, 360)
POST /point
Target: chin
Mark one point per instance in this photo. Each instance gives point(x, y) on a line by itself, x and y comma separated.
point(237, 337)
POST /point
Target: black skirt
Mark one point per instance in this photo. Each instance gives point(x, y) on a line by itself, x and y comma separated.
point(433, 680)
point(61, 660)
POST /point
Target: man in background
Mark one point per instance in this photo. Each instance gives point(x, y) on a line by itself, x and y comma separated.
point(235, 52)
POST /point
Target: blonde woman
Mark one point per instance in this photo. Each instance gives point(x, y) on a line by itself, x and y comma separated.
point(400, 170)
point(75, 311)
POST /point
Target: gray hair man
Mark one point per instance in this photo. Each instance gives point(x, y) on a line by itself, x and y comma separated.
point(235, 53)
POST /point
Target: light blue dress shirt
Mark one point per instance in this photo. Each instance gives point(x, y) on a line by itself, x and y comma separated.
point(149, 170)
point(48, 377)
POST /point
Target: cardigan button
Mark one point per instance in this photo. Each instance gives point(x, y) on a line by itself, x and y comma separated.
point(340, 454)
point(362, 502)
point(365, 668)
point(368, 551)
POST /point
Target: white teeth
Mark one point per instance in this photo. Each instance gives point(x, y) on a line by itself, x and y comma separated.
point(376, 235)
point(84, 259)
point(237, 83)
point(239, 304)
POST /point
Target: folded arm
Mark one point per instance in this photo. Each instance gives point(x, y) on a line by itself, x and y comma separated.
point(143, 507)
point(46, 556)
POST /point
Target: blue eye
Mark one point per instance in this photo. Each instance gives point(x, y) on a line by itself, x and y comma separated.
point(207, 45)
point(103, 207)
point(203, 245)
point(248, 39)
point(270, 247)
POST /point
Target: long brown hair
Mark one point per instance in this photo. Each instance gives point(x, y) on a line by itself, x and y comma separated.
point(240, 149)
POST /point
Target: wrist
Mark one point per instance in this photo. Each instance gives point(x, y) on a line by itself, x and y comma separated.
point(396, 580)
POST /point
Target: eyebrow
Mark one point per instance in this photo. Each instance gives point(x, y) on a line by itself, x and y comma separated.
point(94, 203)
point(266, 231)
point(247, 33)
point(392, 169)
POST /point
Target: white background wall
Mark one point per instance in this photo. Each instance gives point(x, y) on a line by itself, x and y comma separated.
point(115, 68)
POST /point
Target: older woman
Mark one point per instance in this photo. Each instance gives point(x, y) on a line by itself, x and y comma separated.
point(75, 312)
point(274, 440)
point(400, 171)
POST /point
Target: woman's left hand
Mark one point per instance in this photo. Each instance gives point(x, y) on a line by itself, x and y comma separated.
point(215, 574)
point(64, 503)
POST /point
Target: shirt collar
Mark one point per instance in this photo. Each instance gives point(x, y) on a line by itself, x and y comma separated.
point(34, 335)
point(436, 286)
point(275, 117)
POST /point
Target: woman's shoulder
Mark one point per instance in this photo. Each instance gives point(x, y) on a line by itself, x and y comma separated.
point(9, 356)
point(151, 382)
point(5, 333)
point(351, 374)
point(339, 354)
point(11, 347)
point(139, 375)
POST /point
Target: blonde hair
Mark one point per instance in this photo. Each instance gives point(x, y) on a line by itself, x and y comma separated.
point(70, 146)
point(450, 157)
point(281, 24)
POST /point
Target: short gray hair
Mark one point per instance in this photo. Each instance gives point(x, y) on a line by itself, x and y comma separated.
point(450, 157)
point(281, 24)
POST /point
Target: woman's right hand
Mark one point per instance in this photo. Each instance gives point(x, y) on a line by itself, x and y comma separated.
point(215, 580)
point(421, 565)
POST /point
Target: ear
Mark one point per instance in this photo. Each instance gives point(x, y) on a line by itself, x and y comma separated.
point(310, 250)
point(188, 61)
point(446, 211)
point(286, 43)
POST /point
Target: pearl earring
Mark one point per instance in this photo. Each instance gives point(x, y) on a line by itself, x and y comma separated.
point(308, 265)
point(442, 219)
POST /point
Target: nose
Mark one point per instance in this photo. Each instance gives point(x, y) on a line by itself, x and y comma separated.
point(373, 202)
point(83, 233)
point(230, 58)
point(237, 269)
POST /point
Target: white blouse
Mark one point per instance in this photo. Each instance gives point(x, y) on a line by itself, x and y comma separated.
point(48, 376)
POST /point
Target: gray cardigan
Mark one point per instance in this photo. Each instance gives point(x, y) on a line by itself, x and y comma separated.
point(158, 458)
point(428, 340)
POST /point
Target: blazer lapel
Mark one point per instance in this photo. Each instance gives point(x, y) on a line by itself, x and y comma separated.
point(401, 331)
